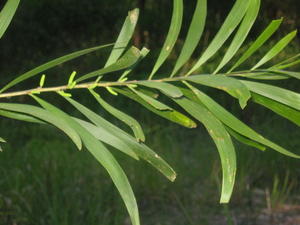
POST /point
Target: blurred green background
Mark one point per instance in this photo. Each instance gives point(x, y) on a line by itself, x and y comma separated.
point(45, 181)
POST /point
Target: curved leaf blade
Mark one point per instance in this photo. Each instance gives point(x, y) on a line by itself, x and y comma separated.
point(262, 38)
point(232, 86)
point(130, 121)
point(285, 63)
point(107, 137)
point(172, 35)
point(284, 96)
point(276, 49)
point(51, 64)
point(194, 35)
point(245, 140)
point(7, 14)
point(104, 157)
point(171, 115)
point(222, 140)
point(138, 149)
point(166, 88)
point(20, 116)
point(282, 110)
point(241, 34)
point(144, 52)
point(45, 116)
point(127, 60)
point(263, 75)
point(237, 125)
point(151, 101)
point(231, 22)
point(124, 37)
point(287, 73)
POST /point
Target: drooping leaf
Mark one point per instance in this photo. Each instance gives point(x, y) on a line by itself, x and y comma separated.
point(222, 140)
point(262, 38)
point(127, 60)
point(144, 52)
point(241, 34)
point(276, 49)
point(194, 35)
point(104, 157)
point(105, 136)
point(171, 115)
point(237, 125)
point(263, 75)
point(284, 66)
point(225, 83)
point(231, 22)
point(131, 122)
point(287, 73)
point(166, 88)
point(124, 37)
point(7, 14)
point(151, 101)
point(20, 116)
point(282, 110)
point(51, 64)
point(171, 36)
point(287, 97)
point(245, 140)
point(292, 61)
point(139, 149)
point(45, 116)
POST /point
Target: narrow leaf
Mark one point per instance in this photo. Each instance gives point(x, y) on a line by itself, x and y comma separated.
point(282, 110)
point(283, 66)
point(99, 132)
point(104, 157)
point(194, 35)
point(171, 115)
point(287, 73)
point(45, 116)
point(7, 14)
point(287, 62)
point(262, 38)
point(107, 137)
point(222, 140)
point(276, 49)
point(237, 125)
point(171, 36)
point(263, 75)
point(231, 22)
point(20, 116)
point(131, 122)
point(51, 64)
point(151, 101)
point(287, 97)
point(232, 86)
point(127, 60)
point(245, 140)
point(124, 37)
point(2, 140)
point(139, 149)
point(144, 52)
point(168, 89)
point(241, 34)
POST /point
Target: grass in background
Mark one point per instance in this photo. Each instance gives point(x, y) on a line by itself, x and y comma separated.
point(44, 180)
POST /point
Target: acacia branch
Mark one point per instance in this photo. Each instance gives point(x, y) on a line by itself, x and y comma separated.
point(79, 86)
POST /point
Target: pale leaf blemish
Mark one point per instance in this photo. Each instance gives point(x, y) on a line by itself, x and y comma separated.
point(133, 17)
point(168, 48)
